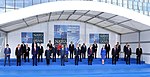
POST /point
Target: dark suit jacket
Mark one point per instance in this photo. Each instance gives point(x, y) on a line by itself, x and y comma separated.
point(76, 52)
point(40, 50)
point(118, 49)
point(114, 52)
point(107, 47)
point(71, 48)
point(90, 53)
point(23, 48)
point(18, 52)
point(129, 51)
point(138, 51)
point(62, 53)
point(95, 47)
point(83, 49)
point(7, 51)
point(125, 49)
point(28, 51)
point(47, 54)
point(34, 53)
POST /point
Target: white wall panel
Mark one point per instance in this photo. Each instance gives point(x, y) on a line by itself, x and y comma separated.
point(133, 37)
point(14, 38)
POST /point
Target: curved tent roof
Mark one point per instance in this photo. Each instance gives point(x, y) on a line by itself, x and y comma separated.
point(110, 17)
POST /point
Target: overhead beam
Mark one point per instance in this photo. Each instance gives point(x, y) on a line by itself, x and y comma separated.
point(71, 14)
point(49, 16)
point(60, 15)
point(94, 16)
point(37, 18)
point(82, 14)
point(25, 22)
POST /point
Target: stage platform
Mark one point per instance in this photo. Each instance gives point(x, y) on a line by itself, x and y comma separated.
point(70, 70)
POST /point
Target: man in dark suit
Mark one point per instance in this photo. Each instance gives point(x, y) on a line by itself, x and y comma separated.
point(48, 55)
point(7, 52)
point(114, 53)
point(40, 52)
point(128, 52)
point(83, 50)
point(80, 52)
point(71, 49)
point(23, 49)
point(34, 54)
point(18, 53)
point(138, 54)
point(76, 53)
point(95, 49)
point(107, 47)
point(62, 53)
point(118, 50)
point(124, 50)
point(27, 52)
point(50, 44)
point(90, 55)
point(54, 53)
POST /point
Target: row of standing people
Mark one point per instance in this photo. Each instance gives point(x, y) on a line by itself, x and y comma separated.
point(116, 53)
point(37, 51)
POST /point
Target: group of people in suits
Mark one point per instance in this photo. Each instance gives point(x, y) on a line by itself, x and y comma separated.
point(116, 53)
point(78, 52)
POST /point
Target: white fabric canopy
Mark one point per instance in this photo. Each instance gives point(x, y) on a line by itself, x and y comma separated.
point(110, 17)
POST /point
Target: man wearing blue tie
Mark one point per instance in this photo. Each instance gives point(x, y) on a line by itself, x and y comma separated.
point(7, 52)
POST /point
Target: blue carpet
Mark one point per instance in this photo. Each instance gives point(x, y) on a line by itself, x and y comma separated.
point(70, 70)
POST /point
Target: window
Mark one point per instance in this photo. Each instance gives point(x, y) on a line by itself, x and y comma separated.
point(148, 8)
point(2, 10)
point(27, 3)
point(130, 4)
point(44, 1)
point(19, 4)
point(125, 3)
point(136, 6)
point(114, 2)
point(9, 3)
point(120, 2)
point(36, 2)
point(145, 6)
point(140, 5)
point(2, 3)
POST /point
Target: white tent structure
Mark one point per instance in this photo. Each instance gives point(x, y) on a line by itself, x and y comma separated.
point(113, 18)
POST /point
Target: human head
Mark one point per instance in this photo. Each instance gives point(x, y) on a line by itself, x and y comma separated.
point(7, 45)
point(94, 42)
point(71, 42)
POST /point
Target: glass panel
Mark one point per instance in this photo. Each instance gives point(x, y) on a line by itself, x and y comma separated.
point(146, 1)
point(28, 3)
point(120, 2)
point(44, 1)
point(135, 6)
point(130, 5)
point(115, 2)
point(2, 3)
point(9, 3)
point(19, 3)
point(144, 6)
point(125, 3)
point(36, 2)
point(148, 8)
point(140, 6)
point(2, 10)
point(108, 1)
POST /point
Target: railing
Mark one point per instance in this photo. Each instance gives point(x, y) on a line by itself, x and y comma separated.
point(141, 6)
